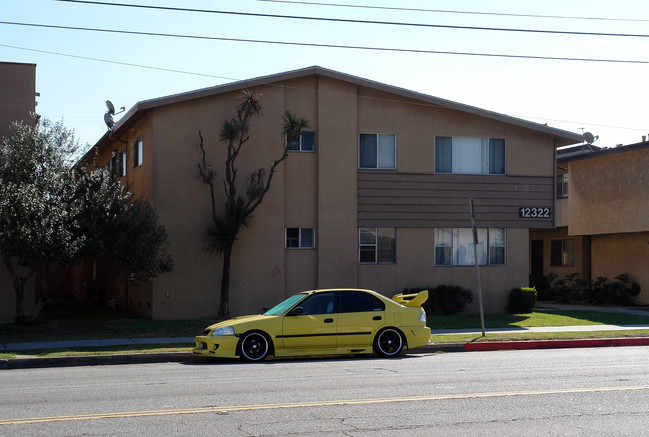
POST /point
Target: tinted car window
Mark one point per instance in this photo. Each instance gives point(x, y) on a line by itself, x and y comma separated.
point(358, 301)
point(321, 303)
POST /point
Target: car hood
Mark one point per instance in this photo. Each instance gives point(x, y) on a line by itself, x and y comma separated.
point(240, 321)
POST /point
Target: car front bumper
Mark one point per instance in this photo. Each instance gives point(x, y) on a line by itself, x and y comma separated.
point(223, 346)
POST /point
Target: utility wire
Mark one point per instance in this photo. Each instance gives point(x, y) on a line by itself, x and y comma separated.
point(497, 14)
point(292, 43)
point(87, 58)
point(342, 20)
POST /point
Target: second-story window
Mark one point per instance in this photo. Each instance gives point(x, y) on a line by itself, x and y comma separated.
point(121, 164)
point(305, 143)
point(467, 155)
point(562, 185)
point(137, 152)
point(377, 151)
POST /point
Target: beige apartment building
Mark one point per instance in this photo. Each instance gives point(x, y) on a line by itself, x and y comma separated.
point(375, 195)
point(602, 209)
point(17, 102)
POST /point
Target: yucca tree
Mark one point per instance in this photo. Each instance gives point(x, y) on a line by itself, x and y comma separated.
point(223, 229)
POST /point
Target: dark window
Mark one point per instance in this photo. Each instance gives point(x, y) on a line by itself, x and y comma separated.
point(300, 238)
point(358, 301)
point(562, 253)
point(320, 303)
point(305, 143)
point(137, 152)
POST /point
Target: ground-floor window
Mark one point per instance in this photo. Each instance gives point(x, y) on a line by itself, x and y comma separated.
point(454, 247)
point(377, 245)
point(562, 252)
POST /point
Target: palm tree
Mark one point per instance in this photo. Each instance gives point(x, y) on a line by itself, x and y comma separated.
point(223, 229)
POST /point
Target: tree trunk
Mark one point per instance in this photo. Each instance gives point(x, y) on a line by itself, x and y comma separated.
point(19, 289)
point(224, 304)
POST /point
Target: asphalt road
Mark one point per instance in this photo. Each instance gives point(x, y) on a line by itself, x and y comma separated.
point(589, 392)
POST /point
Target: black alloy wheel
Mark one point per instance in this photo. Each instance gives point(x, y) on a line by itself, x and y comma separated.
point(254, 346)
point(388, 342)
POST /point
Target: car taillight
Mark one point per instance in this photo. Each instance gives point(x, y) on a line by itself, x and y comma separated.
point(422, 316)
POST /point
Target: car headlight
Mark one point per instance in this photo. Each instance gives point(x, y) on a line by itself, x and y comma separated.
point(422, 316)
point(225, 330)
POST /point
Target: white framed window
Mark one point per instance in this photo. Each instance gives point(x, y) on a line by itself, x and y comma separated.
point(468, 155)
point(377, 151)
point(138, 147)
point(562, 252)
point(377, 245)
point(300, 238)
point(122, 163)
point(305, 143)
point(454, 247)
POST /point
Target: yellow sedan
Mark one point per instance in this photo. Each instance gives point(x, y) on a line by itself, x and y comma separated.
point(322, 322)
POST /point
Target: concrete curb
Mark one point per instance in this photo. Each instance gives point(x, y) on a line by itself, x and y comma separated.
point(98, 360)
point(556, 344)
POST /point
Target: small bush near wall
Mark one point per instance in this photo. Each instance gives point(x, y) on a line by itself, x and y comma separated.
point(521, 300)
point(444, 299)
point(600, 291)
point(453, 299)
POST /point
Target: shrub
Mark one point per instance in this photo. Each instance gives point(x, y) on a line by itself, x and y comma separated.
point(452, 298)
point(521, 300)
point(620, 292)
point(599, 291)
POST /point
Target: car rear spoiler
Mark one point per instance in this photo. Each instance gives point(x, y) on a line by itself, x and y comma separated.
point(411, 300)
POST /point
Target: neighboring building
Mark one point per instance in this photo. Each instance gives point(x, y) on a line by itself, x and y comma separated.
point(602, 209)
point(375, 196)
point(17, 102)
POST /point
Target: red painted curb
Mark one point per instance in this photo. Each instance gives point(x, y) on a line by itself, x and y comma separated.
point(555, 344)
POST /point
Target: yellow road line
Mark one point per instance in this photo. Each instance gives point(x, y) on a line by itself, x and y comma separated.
point(228, 409)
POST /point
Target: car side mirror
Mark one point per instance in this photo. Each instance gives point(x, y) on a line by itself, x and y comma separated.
point(295, 311)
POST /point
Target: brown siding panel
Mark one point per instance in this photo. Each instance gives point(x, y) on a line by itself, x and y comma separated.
point(393, 199)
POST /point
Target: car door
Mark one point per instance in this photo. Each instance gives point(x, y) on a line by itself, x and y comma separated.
point(312, 325)
point(360, 316)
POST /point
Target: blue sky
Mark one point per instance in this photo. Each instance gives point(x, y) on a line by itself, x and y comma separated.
point(608, 99)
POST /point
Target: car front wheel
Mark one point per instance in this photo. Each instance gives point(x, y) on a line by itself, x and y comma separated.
point(388, 342)
point(254, 346)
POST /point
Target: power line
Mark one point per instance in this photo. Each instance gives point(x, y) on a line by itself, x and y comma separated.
point(87, 58)
point(335, 46)
point(343, 20)
point(497, 14)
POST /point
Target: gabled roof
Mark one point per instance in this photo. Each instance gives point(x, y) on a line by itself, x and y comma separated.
point(562, 137)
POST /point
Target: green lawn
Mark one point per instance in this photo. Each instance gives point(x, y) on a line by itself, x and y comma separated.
point(537, 318)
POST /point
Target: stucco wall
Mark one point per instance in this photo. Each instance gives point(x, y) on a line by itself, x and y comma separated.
point(17, 93)
point(609, 194)
point(622, 253)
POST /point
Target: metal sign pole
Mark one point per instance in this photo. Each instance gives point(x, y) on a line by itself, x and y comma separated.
point(477, 264)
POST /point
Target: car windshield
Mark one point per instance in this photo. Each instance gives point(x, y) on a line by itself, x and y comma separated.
point(284, 306)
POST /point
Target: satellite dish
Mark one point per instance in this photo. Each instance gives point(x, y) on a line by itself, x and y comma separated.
point(590, 138)
point(111, 108)
point(108, 119)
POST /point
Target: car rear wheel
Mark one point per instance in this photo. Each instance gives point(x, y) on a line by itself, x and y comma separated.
point(254, 346)
point(388, 342)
